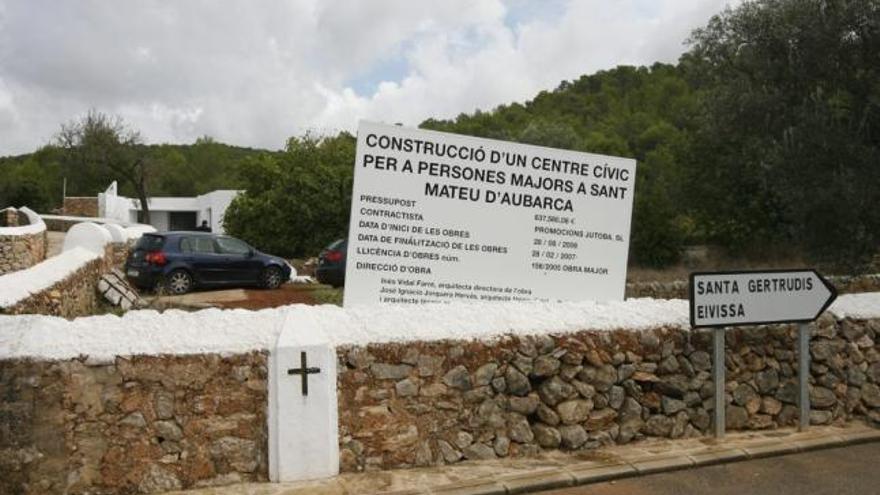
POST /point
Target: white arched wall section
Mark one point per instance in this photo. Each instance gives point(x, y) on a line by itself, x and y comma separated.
point(87, 235)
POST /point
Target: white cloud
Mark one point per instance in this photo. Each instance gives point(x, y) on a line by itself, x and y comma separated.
point(256, 73)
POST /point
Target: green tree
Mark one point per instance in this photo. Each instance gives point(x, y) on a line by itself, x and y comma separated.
point(551, 134)
point(298, 201)
point(641, 112)
point(171, 174)
point(106, 146)
point(27, 184)
point(787, 147)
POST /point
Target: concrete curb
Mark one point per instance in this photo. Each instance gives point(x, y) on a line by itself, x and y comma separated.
point(594, 472)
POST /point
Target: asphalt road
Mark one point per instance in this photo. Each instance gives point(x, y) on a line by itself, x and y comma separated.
point(847, 470)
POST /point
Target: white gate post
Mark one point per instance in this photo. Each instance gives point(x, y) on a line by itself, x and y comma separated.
point(303, 419)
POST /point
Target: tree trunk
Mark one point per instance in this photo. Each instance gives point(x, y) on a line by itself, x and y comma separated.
point(139, 181)
point(145, 206)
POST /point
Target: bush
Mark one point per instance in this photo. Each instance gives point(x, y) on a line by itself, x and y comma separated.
point(296, 202)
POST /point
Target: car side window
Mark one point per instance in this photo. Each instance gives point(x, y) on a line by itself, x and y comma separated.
point(228, 245)
point(198, 245)
point(204, 245)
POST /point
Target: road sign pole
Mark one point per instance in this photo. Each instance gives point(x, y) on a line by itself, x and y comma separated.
point(720, 381)
point(804, 376)
point(747, 298)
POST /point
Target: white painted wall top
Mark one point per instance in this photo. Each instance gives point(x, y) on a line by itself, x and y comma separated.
point(129, 229)
point(19, 285)
point(87, 235)
point(35, 226)
point(117, 232)
point(235, 331)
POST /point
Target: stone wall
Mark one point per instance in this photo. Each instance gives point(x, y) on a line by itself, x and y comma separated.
point(21, 248)
point(423, 404)
point(138, 425)
point(9, 217)
point(21, 251)
point(153, 424)
point(119, 253)
point(75, 295)
point(80, 206)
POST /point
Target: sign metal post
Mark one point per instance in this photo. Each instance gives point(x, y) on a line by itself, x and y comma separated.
point(718, 369)
point(745, 298)
point(804, 375)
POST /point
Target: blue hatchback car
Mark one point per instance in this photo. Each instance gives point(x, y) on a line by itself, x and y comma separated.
point(181, 261)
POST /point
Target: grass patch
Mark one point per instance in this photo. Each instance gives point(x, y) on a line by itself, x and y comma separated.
point(324, 294)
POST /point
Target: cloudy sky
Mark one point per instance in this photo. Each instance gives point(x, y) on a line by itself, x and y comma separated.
point(254, 73)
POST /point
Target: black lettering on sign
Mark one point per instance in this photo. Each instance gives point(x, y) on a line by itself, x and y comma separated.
point(717, 287)
point(733, 310)
point(781, 284)
point(452, 192)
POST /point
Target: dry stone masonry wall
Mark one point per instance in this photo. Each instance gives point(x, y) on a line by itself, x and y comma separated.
point(20, 250)
point(139, 425)
point(151, 424)
point(75, 295)
point(437, 403)
point(81, 206)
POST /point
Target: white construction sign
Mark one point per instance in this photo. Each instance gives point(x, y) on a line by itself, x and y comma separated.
point(440, 217)
point(752, 298)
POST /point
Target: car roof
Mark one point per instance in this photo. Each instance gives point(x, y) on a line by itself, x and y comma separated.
point(175, 233)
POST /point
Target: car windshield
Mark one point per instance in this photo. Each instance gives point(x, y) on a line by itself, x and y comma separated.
point(340, 244)
point(150, 242)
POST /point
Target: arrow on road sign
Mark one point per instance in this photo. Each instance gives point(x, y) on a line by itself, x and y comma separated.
point(720, 299)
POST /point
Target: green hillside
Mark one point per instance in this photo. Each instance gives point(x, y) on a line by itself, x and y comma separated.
point(647, 113)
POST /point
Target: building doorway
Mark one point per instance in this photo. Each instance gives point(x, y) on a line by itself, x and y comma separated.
point(182, 220)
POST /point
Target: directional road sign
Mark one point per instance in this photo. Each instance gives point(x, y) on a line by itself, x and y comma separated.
point(721, 299)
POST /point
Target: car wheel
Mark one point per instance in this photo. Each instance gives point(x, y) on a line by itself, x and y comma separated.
point(178, 282)
point(271, 277)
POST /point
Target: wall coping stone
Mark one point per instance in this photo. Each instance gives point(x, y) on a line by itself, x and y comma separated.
point(19, 285)
point(174, 332)
point(35, 227)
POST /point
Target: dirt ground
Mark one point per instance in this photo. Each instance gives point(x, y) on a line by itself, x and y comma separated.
point(284, 295)
point(251, 298)
point(56, 241)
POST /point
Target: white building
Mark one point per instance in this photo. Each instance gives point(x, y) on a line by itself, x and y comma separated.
point(169, 213)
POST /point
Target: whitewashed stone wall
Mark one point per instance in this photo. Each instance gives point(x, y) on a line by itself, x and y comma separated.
point(23, 240)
